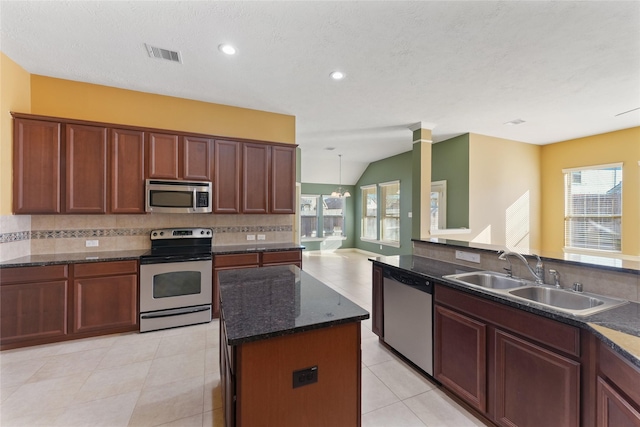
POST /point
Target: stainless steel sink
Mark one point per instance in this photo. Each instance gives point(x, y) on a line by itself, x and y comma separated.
point(488, 279)
point(578, 303)
point(566, 301)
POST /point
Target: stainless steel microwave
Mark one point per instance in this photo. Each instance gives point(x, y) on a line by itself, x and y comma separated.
point(170, 196)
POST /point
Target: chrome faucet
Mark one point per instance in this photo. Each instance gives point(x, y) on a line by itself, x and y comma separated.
point(538, 273)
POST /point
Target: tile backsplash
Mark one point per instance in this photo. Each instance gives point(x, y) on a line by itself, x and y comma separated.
point(22, 235)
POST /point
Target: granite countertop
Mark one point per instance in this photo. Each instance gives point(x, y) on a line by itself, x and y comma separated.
point(53, 259)
point(254, 247)
point(69, 258)
point(266, 302)
point(618, 327)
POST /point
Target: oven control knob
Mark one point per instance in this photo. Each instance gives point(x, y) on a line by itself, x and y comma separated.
point(201, 231)
point(208, 232)
point(162, 233)
point(155, 234)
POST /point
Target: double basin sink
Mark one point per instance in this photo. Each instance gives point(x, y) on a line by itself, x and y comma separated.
point(567, 301)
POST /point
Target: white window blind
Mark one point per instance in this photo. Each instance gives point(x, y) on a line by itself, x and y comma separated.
point(369, 212)
point(593, 207)
point(390, 221)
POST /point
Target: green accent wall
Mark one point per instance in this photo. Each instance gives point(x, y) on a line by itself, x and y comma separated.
point(396, 168)
point(326, 189)
point(450, 162)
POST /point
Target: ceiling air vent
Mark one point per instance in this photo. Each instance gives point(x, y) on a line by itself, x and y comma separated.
point(159, 53)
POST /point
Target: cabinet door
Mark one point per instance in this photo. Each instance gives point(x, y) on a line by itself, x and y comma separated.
point(255, 178)
point(103, 303)
point(126, 167)
point(226, 182)
point(283, 180)
point(534, 386)
point(32, 311)
point(377, 307)
point(162, 156)
point(461, 356)
point(613, 409)
point(37, 151)
point(196, 158)
point(86, 169)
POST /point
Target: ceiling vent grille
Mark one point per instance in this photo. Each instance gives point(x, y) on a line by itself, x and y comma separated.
point(159, 53)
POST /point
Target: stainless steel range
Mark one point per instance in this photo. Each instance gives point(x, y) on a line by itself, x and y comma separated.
point(176, 279)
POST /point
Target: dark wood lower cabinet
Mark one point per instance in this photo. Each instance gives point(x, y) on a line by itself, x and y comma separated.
point(614, 410)
point(534, 386)
point(103, 303)
point(46, 304)
point(461, 362)
point(618, 390)
point(377, 302)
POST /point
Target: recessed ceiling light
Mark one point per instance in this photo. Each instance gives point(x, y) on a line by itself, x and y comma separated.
point(227, 48)
point(515, 122)
point(337, 75)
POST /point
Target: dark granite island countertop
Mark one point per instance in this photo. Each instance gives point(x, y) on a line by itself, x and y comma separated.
point(260, 303)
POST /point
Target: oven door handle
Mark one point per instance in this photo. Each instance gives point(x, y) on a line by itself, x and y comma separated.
point(176, 312)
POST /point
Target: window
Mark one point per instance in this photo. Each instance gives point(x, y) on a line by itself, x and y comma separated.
point(381, 213)
point(321, 216)
point(593, 207)
point(390, 221)
point(438, 205)
point(309, 218)
point(369, 212)
point(333, 216)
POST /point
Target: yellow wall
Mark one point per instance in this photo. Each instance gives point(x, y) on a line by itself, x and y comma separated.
point(71, 99)
point(614, 147)
point(504, 193)
point(15, 95)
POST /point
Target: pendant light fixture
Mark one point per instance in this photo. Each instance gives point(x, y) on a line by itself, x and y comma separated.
point(340, 192)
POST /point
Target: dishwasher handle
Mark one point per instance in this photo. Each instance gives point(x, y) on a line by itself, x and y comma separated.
point(414, 281)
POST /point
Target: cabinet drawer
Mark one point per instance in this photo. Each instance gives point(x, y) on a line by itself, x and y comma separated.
point(556, 335)
point(33, 274)
point(105, 268)
point(280, 257)
point(236, 260)
point(619, 372)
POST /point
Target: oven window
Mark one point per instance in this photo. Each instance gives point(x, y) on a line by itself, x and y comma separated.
point(171, 199)
point(176, 283)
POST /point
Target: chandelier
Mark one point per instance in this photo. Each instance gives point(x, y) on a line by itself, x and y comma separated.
point(340, 192)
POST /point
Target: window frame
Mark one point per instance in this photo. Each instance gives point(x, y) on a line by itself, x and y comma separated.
point(382, 236)
point(570, 215)
point(364, 216)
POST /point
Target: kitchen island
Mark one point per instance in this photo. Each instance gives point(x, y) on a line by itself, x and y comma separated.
point(289, 350)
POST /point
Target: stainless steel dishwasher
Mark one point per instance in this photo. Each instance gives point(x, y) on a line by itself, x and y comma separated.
point(408, 316)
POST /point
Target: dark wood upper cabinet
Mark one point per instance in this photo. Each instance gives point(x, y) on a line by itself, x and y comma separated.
point(37, 152)
point(126, 171)
point(255, 178)
point(86, 169)
point(283, 180)
point(197, 156)
point(227, 169)
point(163, 156)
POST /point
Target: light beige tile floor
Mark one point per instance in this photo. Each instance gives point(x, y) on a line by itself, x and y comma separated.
point(171, 378)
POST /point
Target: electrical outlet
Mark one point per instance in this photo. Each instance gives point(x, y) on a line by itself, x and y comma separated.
point(468, 256)
point(251, 237)
point(261, 237)
point(305, 376)
point(91, 243)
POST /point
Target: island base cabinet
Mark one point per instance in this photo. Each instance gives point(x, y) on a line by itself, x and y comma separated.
point(534, 387)
point(261, 375)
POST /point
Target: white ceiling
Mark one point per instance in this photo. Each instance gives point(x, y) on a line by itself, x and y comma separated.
point(566, 68)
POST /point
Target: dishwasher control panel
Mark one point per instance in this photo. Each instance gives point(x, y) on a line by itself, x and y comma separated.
point(413, 280)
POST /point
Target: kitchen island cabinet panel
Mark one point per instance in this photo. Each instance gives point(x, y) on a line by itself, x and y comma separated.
point(460, 356)
point(126, 170)
point(37, 179)
point(86, 169)
point(534, 386)
point(377, 302)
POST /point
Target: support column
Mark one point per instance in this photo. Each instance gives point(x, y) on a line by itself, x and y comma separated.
point(421, 197)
